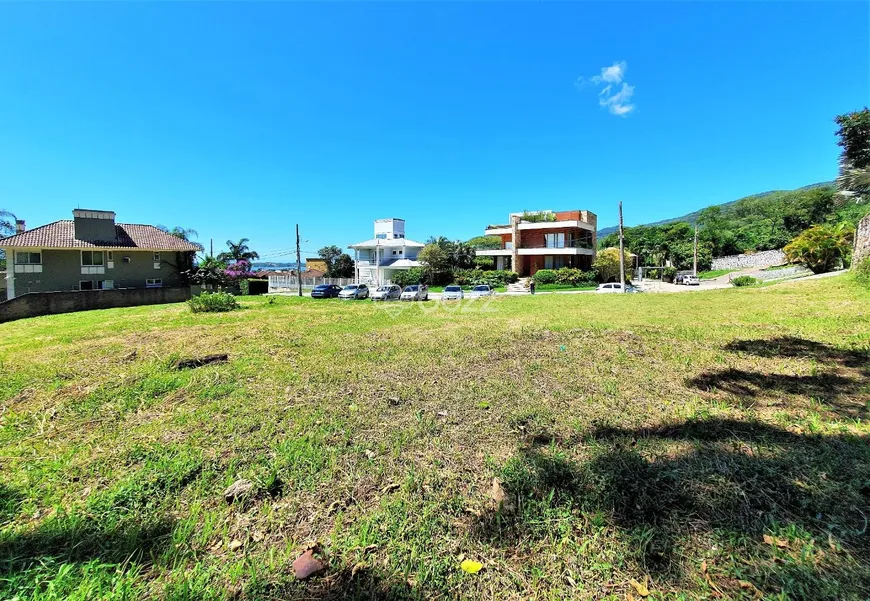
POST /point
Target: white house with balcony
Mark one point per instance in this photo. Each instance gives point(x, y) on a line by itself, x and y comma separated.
point(376, 260)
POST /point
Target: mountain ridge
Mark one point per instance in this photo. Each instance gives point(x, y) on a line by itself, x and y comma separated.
point(693, 216)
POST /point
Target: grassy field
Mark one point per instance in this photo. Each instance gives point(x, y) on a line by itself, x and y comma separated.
point(689, 446)
point(714, 273)
point(562, 287)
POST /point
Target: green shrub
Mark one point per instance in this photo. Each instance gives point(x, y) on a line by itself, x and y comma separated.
point(862, 271)
point(669, 274)
point(474, 277)
point(415, 275)
point(213, 302)
point(744, 280)
point(545, 276)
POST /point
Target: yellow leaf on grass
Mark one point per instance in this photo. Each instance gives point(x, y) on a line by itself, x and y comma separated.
point(642, 589)
point(472, 567)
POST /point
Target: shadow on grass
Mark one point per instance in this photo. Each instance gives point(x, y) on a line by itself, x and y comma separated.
point(364, 585)
point(843, 391)
point(70, 538)
point(791, 346)
point(734, 481)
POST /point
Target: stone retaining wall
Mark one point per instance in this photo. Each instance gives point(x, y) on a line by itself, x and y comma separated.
point(862, 241)
point(49, 303)
point(764, 258)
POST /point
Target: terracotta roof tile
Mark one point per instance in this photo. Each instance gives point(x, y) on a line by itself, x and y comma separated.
point(61, 234)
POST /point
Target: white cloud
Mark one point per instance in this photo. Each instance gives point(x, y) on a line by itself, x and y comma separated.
point(615, 98)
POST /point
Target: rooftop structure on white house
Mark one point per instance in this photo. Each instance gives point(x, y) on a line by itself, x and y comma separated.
point(377, 259)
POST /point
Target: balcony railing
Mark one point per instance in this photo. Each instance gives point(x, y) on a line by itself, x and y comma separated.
point(565, 244)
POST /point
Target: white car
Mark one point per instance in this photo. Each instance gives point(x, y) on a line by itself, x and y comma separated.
point(387, 293)
point(416, 292)
point(354, 291)
point(452, 293)
point(481, 291)
point(692, 280)
point(614, 288)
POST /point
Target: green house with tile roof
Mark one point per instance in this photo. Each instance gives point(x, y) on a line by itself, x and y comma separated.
point(92, 252)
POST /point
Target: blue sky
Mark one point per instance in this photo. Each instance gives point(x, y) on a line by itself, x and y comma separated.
point(242, 119)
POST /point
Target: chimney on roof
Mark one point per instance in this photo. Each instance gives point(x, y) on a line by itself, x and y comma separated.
point(94, 226)
point(19, 226)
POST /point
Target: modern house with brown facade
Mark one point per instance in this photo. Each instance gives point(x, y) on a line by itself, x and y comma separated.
point(544, 240)
point(92, 252)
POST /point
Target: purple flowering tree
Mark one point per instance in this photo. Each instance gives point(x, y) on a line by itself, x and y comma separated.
point(238, 271)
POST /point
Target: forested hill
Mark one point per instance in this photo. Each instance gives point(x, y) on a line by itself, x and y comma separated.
point(693, 217)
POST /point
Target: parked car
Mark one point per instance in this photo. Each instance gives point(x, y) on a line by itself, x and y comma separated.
point(481, 291)
point(692, 280)
point(387, 293)
point(325, 291)
point(615, 288)
point(452, 293)
point(354, 291)
point(415, 292)
point(679, 279)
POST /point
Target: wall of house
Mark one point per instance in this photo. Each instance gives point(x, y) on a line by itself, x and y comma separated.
point(51, 303)
point(536, 238)
point(62, 270)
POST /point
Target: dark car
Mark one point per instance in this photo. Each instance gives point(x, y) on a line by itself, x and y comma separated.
point(326, 291)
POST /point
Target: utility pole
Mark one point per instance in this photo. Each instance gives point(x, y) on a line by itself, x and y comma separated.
point(298, 263)
point(211, 247)
point(695, 263)
point(621, 251)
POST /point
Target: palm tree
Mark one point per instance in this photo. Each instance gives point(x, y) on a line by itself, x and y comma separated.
point(239, 251)
point(854, 182)
point(462, 255)
point(184, 233)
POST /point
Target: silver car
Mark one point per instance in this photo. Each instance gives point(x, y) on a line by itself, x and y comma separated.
point(452, 293)
point(480, 291)
point(692, 280)
point(416, 292)
point(387, 293)
point(354, 291)
point(615, 288)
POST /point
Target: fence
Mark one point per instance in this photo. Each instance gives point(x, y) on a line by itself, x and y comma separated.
point(290, 283)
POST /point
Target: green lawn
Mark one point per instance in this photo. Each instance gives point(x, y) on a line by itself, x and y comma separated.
point(562, 287)
point(714, 273)
point(713, 443)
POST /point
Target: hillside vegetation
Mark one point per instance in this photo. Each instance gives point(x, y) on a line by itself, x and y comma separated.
point(756, 223)
point(579, 446)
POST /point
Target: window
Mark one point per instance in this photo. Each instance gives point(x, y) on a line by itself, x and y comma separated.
point(381, 236)
point(154, 283)
point(156, 257)
point(552, 262)
point(110, 255)
point(555, 240)
point(28, 257)
point(395, 252)
point(86, 285)
point(92, 258)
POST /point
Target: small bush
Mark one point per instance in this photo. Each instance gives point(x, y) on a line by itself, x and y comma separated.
point(408, 277)
point(545, 276)
point(213, 302)
point(744, 280)
point(669, 274)
point(474, 277)
point(862, 271)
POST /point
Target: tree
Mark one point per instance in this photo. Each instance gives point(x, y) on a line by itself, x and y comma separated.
point(238, 251)
point(435, 258)
point(342, 267)
point(7, 228)
point(462, 255)
point(485, 242)
point(854, 134)
point(606, 264)
point(183, 233)
point(821, 247)
point(210, 273)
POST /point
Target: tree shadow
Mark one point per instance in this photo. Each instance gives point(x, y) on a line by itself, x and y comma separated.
point(791, 346)
point(844, 390)
point(70, 538)
point(364, 584)
point(728, 479)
